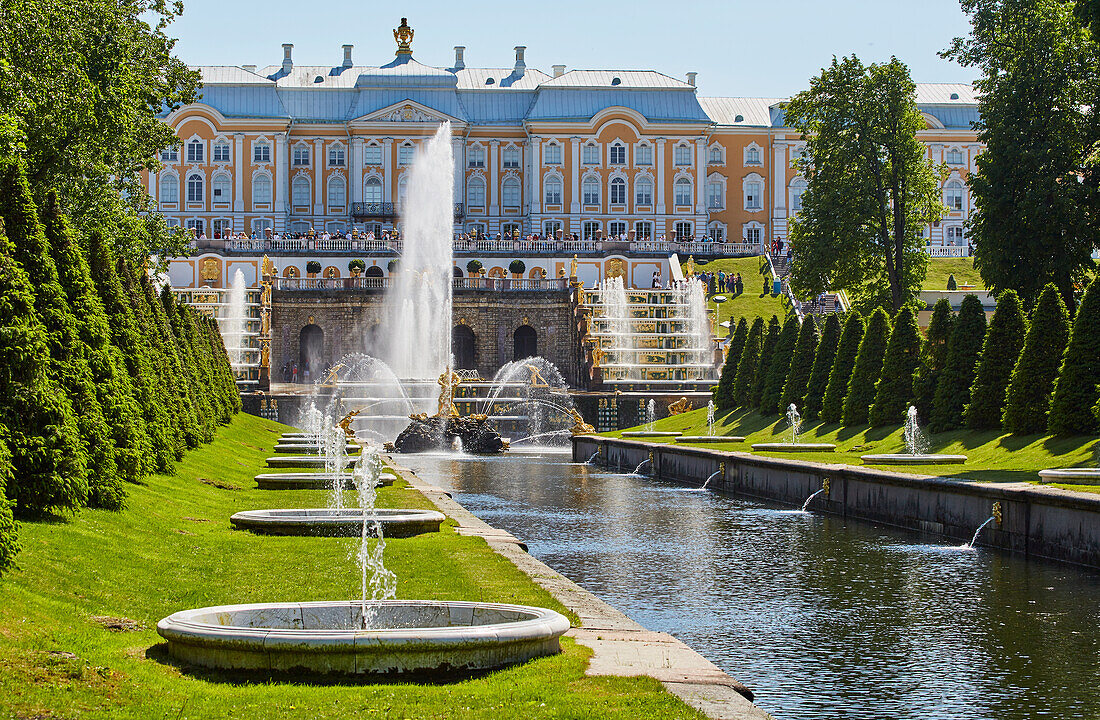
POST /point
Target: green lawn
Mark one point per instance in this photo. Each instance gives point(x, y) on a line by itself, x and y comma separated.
point(751, 304)
point(962, 268)
point(993, 456)
point(172, 548)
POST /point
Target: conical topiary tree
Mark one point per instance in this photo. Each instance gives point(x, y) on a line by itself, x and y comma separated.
point(42, 436)
point(9, 530)
point(823, 365)
point(832, 405)
point(750, 359)
point(1000, 351)
point(779, 367)
point(1027, 402)
point(723, 394)
point(802, 362)
point(771, 339)
point(867, 369)
point(205, 424)
point(932, 358)
point(894, 390)
point(1075, 390)
point(964, 349)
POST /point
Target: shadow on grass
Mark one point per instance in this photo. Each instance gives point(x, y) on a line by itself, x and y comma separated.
point(998, 476)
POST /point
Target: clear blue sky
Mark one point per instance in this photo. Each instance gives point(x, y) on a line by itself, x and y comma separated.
point(754, 49)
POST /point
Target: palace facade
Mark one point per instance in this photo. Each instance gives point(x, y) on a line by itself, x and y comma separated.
point(596, 153)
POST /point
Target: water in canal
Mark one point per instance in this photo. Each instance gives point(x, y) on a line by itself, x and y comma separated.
point(820, 617)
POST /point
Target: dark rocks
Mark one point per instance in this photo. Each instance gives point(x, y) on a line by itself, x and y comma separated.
point(434, 433)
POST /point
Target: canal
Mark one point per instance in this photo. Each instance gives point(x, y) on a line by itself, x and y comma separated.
point(819, 616)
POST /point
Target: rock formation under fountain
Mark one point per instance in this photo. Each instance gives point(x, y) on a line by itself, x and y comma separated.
point(795, 422)
point(446, 429)
point(916, 449)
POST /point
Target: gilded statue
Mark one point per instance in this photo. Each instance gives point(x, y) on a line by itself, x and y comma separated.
point(580, 427)
point(597, 356)
point(403, 35)
point(691, 265)
point(267, 268)
point(573, 267)
point(333, 376)
point(537, 380)
point(448, 380)
point(679, 407)
point(265, 354)
point(265, 321)
point(265, 294)
point(345, 424)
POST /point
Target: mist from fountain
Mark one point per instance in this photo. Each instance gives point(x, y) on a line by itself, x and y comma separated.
point(650, 416)
point(692, 294)
point(535, 388)
point(710, 417)
point(621, 350)
point(235, 322)
point(417, 307)
point(378, 582)
point(795, 421)
point(915, 442)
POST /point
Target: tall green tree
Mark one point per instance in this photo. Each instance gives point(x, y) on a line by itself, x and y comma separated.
point(723, 394)
point(85, 81)
point(1075, 391)
point(802, 362)
point(964, 349)
point(9, 529)
point(767, 352)
point(1000, 351)
point(832, 407)
point(933, 355)
point(1035, 192)
point(823, 365)
point(867, 369)
point(1027, 403)
point(779, 366)
point(870, 186)
point(894, 390)
point(750, 359)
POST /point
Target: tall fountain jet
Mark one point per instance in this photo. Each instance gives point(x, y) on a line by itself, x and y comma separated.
point(417, 325)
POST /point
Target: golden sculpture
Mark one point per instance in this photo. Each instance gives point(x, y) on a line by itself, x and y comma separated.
point(597, 356)
point(211, 270)
point(345, 424)
point(265, 354)
point(265, 321)
point(537, 380)
point(447, 382)
point(580, 427)
point(403, 35)
point(267, 268)
point(573, 268)
point(265, 295)
point(691, 265)
point(333, 376)
point(616, 268)
point(680, 406)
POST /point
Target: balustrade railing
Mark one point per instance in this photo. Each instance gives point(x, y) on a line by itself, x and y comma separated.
point(383, 283)
point(514, 247)
point(947, 251)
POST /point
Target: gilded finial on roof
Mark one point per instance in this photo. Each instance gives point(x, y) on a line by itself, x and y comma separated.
point(403, 35)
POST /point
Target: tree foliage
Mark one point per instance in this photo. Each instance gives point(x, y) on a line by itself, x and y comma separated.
point(832, 406)
point(767, 352)
point(1075, 391)
point(870, 186)
point(779, 366)
point(932, 357)
point(867, 369)
point(9, 530)
point(1027, 403)
point(823, 365)
point(1000, 351)
point(802, 362)
point(723, 394)
point(750, 359)
point(894, 390)
point(964, 349)
point(1035, 190)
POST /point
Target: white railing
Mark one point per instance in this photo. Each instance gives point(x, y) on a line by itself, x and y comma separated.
point(719, 248)
point(382, 283)
point(295, 245)
point(947, 251)
point(503, 284)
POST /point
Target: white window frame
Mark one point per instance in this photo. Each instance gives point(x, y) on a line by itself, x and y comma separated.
point(475, 156)
point(682, 182)
point(372, 155)
point(591, 229)
point(201, 187)
point(406, 153)
point(752, 232)
point(590, 154)
point(337, 155)
point(590, 190)
point(510, 192)
point(475, 192)
point(716, 193)
point(261, 151)
point(333, 182)
point(552, 155)
point(221, 181)
point(548, 194)
point(510, 157)
point(682, 155)
point(170, 154)
point(221, 152)
point(617, 198)
point(300, 156)
point(684, 230)
point(196, 152)
point(302, 181)
point(162, 195)
point(616, 228)
point(372, 181)
point(617, 148)
point(752, 198)
point(257, 182)
point(754, 155)
point(716, 155)
point(643, 190)
point(961, 157)
point(954, 195)
point(550, 228)
point(643, 154)
point(643, 230)
point(716, 231)
point(795, 192)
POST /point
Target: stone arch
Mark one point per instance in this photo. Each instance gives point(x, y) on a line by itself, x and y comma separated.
point(525, 342)
point(311, 350)
point(464, 347)
point(374, 271)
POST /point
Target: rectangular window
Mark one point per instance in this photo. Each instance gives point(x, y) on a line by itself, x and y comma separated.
point(752, 235)
point(552, 228)
point(336, 156)
point(714, 196)
point(194, 152)
point(643, 231)
point(476, 157)
point(221, 186)
point(510, 194)
point(405, 155)
point(618, 192)
point(954, 157)
point(716, 233)
point(590, 192)
point(221, 227)
point(643, 155)
point(372, 155)
point(643, 192)
point(509, 157)
point(683, 230)
point(194, 189)
point(261, 153)
point(301, 156)
point(591, 154)
point(553, 192)
point(553, 154)
point(618, 155)
point(752, 196)
point(171, 154)
point(221, 152)
point(681, 155)
point(616, 229)
point(590, 230)
point(752, 156)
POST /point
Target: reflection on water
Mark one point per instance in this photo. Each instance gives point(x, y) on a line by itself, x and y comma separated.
point(820, 617)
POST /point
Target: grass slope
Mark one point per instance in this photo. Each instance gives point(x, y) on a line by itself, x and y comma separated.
point(993, 456)
point(962, 268)
point(750, 304)
point(172, 548)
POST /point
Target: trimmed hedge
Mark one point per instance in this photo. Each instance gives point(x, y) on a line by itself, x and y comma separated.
point(933, 356)
point(1027, 403)
point(750, 359)
point(964, 350)
point(779, 366)
point(867, 369)
point(1075, 390)
point(1003, 342)
point(9, 530)
point(894, 389)
point(723, 394)
point(832, 405)
point(823, 364)
point(771, 339)
point(802, 362)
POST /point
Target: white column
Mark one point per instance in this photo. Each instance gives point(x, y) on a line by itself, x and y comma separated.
point(154, 176)
point(494, 178)
point(700, 175)
point(388, 181)
point(238, 180)
point(458, 149)
point(281, 166)
point(659, 159)
point(779, 191)
point(318, 175)
point(356, 170)
point(575, 178)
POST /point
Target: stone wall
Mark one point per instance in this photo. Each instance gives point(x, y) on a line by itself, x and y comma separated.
point(350, 321)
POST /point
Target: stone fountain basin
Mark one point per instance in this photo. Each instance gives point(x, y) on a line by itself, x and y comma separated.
point(710, 438)
point(312, 481)
point(907, 459)
point(329, 522)
point(1072, 476)
point(650, 433)
point(305, 447)
point(303, 461)
point(793, 447)
point(407, 636)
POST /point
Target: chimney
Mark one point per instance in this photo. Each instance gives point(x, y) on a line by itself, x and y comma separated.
point(347, 55)
point(691, 78)
point(460, 62)
point(520, 65)
point(559, 70)
point(249, 68)
point(288, 62)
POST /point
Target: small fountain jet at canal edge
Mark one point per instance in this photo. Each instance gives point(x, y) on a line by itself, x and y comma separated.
point(824, 489)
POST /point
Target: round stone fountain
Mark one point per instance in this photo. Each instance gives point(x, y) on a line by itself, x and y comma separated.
point(793, 446)
point(650, 434)
point(403, 637)
point(916, 449)
point(313, 481)
point(338, 522)
point(310, 447)
point(709, 438)
point(1071, 476)
point(304, 461)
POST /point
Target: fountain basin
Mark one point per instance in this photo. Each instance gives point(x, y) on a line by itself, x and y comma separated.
point(329, 522)
point(650, 433)
point(303, 461)
point(407, 636)
point(294, 447)
point(710, 438)
point(793, 447)
point(916, 459)
point(312, 481)
point(1072, 476)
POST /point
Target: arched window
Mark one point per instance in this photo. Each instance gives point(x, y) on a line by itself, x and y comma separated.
point(681, 155)
point(590, 189)
point(716, 199)
point(169, 189)
point(464, 347)
point(337, 192)
point(618, 191)
point(682, 191)
point(221, 151)
point(261, 189)
point(222, 188)
point(798, 188)
point(373, 271)
point(194, 188)
point(753, 195)
point(372, 155)
point(402, 190)
point(194, 151)
point(643, 155)
point(372, 190)
point(617, 154)
point(955, 157)
point(300, 191)
point(715, 156)
point(475, 193)
point(553, 191)
point(525, 342)
point(643, 191)
point(510, 192)
point(752, 156)
point(953, 195)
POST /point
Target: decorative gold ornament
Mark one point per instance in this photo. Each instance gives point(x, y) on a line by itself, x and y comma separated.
point(679, 407)
point(210, 270)
point(403, 35)
point(265, 321)
point(580, 427)
point(265, 354)
point(616, 268)
point(447, 382)
point(310, 320)
point(267, 267)
point(691, 265)
point(331, 272)
point(537, 380)
point(265, 294)
point(573, 268)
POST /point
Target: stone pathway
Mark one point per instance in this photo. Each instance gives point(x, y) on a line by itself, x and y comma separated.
point(621, 647)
